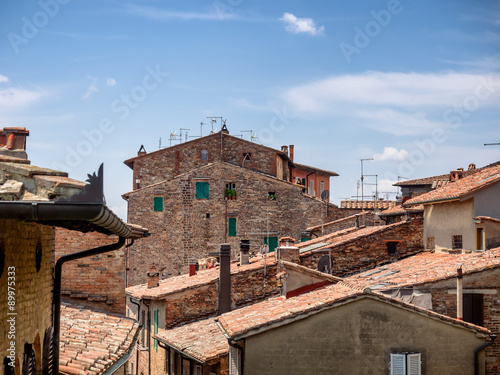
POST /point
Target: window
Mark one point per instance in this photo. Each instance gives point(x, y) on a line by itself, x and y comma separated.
point(322, 186)
point(392, 247)
point(479, 238)
point(231, 227)
point(230, 191)
point(406, 364)
point(198, 370)
point(431, 244)
point(204, 155)
point(272, 242)
point(473, 308)
point(155, 327)
point(158, 204)
point(202, 189)
point(271, 195)
point(311, 187)
point(247, 156)
point(456, 242)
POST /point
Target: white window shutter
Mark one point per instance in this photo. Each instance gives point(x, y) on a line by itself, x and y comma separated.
point(414, 364)
point(398, 364)
point(234, 361)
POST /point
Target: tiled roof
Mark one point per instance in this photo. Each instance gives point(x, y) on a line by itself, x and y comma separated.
point(202, 340)
point(325, 225)
point(344, 236)
point(279, 311)
point(309, 168)
point(441, 179)
point(93, 341)
point(424, 268)
point(461, 188)
point(400, 210)
point(369, 205)
point(487, 218)
point(179, 283)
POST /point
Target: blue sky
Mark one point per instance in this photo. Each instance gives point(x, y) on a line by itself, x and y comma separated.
point(415, 85)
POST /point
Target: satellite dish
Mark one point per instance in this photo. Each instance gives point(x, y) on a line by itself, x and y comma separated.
point(325, 194)
point(325, 264)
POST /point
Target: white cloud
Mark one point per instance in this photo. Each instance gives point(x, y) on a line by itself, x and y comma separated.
point(91, 89)
point(3, 78)
point(110, 82)
point(391, 153)
point(301, 25)
point(12, 97)
point(158, 14)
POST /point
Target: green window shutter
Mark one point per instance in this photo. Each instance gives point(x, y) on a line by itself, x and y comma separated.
point(202, 189)
point(155, 323)
point(304, 239)
point(231, 227)
point(158, 204)
point(272, 242)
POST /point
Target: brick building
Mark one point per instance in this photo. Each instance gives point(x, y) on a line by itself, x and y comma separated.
point(33, 202)
point(429, 280)
point(193, 201)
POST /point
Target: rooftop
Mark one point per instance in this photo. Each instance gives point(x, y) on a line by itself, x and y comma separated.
point(424, 268)
point(309, 168)
point(368, 205)
point(202, 340)
point(326, 225)
point(183, 282)
point(400, 210)
point(460, 189)
point(91, 342)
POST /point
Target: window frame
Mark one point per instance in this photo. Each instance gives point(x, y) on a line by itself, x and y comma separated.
point(457, 242)
point(407, 363)
point(202, 190)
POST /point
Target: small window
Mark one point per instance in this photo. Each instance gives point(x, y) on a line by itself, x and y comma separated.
point(208, 216)
point(322, 186)
point(392, 247)
point(158, 204)
point(473, 308)
point(456, 242)
point(155, 327)
point(198, 370)
point(431, 243)
point(230, 191)
point(271, 195)
point(204, 155)
point(231, 227)
point(247, 156)
point(406, 364)
point(202, 190)
point(311, 188)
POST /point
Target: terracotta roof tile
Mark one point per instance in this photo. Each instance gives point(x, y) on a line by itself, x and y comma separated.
point(178, 283)
point(202, 340)
point(92, 341)
point(461, 188)
point(400, 210)
point(326, 225)
point(369, 205)
point(425, 267)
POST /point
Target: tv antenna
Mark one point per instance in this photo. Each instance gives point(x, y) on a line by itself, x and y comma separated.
point(180, 135)
point(213, 120)
point(362, 180)
point(173, 137)
point(252, 134)
point(492, 144)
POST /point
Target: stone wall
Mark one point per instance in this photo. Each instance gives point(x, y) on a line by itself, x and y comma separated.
point(97, 281)
point(191, 228)
point(367, 251)
point(26, 265)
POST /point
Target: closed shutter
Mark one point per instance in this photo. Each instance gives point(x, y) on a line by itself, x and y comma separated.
point(234, 361)
point(231, 227)
point(398, 364)
point(414, 361)
point(158, 204)
point(155, 327)
point(202, 190)
point(272, 242)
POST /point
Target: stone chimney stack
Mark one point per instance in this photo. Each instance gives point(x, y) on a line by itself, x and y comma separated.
point(225, 279)
point(291, 152)
point(456, 174)
point(284, 149)
point(244, 252)
point(13, 142)
point(153, 277)
point(192, 267)
point(287, 251)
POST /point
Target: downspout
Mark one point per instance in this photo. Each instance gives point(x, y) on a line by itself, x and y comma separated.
point(127, 248)
point(57, 289)
point(478, 349)
point(148, 331)
point(138, 319)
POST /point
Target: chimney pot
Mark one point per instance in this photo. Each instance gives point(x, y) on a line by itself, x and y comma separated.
point(192, 268)
point(153, 277)
point(244, 252)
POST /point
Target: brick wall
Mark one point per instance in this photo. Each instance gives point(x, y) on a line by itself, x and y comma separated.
point(368, 251)
point(97, 281)
point(444, 301)
point(33, 288)
point(172, 161)
point(192, 228)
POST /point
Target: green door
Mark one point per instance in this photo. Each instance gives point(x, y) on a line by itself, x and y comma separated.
point(272, 242)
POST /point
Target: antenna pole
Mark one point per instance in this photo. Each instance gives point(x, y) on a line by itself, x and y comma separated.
point(362, 183)
point(492, 144)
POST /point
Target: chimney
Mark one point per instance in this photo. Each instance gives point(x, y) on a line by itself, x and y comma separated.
point(192, 267)
point(142, 151)
point(153, 277)
point(456, 174)
point(225, 279)
point(284, 149)
point(291, 152)
point(13, 142)
point(287, 251)
point(460, 293)
point(472, 166)
point(244, 252)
